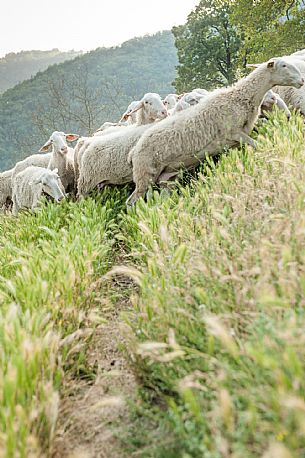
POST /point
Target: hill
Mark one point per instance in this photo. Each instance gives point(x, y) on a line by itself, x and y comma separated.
point(210, 281)
point(79, 95)
point(17, 67)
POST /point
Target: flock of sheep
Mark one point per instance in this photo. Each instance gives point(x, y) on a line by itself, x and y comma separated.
point(155, 138)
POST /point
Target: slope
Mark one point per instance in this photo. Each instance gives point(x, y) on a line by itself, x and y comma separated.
point(17, 67)
point(81, 94)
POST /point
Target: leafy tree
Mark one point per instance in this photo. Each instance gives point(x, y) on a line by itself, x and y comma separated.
point(271, 27)
point(208, 47)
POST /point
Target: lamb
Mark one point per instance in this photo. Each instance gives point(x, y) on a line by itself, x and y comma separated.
point(294, 98)
point(270, 100)
point(188, 100)
point(223, 119)
point(201, 91)
point(170, 101)
point(38, 160)
point(5, 187)
point(146, 109)
point(62, 157)
point(129, 116)
point(149, 109)
point(30, 184)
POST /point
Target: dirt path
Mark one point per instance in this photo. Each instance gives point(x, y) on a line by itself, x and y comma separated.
point(92, 416)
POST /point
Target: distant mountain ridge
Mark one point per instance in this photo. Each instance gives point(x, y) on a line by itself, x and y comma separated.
point(17, 67)
point(80, 94)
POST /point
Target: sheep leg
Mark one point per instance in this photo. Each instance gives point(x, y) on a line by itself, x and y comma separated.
point(137, 193)
point(15, 208)
point(245, 139)
point(166, 176)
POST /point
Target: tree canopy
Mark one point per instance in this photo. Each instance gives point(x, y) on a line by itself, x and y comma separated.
point(270, 27)
point(208, 46)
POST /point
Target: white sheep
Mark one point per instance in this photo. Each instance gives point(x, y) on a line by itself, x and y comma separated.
point(38, 160)
point(149, 109)
point(129, 116)
point(30, 184)
point(293, 97)
point(223, 119)
point(5, 187)
point(170, 101)
point(201, 91)
point(62, 157)
point(188, 100)
point(272, 99)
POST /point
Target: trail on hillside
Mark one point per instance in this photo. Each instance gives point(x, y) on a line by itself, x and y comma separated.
point(92, 417)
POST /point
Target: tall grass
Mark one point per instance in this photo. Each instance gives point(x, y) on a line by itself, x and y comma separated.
point(48, 263)
point(218, 325)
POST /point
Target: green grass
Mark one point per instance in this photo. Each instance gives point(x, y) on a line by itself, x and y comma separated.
point(217, 321)
point(48, 263)
point(218, 326)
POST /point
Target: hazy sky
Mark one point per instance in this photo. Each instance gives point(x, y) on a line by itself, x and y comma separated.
point(84, 24)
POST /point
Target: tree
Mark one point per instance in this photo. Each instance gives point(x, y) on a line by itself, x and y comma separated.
point(208, 47)
point(71, 100)
point(270, 27)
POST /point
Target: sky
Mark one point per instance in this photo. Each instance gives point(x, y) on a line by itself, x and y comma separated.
point(84, 24)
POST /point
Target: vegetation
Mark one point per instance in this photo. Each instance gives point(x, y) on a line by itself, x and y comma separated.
point(48, 263)
point(270, 28)
point(216, 328)
point(81, 94)
point(208, 46)
point(17, 67)
point(218, 324)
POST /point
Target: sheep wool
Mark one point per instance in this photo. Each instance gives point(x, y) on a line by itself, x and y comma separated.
point(29, 185)
point(224, 118)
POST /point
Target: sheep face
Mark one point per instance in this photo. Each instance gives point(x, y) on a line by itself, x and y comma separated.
point(282, 72)
point(269, 100)
point(58, 141)
point(153, 106)
point(50, 184)
point(170, 101)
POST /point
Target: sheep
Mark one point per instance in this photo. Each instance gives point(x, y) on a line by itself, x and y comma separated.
point(149, 109)
point(129, 116)
point(170, 101)
point(270, 100)
point(293, 97)
point(201, 91)
point(62, 157)
point(146, 109)
point(188, 100)
point(5, 187)
point(223, 119)
point(38, 160)
point(29, 185)
point(109, 127)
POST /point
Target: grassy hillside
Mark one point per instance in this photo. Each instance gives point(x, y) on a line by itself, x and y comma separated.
point(79, 95)
point(217, 318)
point(17, 67)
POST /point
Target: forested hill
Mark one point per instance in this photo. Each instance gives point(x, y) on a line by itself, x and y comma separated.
point(80, 94)
point(17, 67)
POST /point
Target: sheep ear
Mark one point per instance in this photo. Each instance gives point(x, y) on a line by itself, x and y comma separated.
point(136, 108)
point(270, 64)
point(253, 65)
point(71, 137)
point(123, 118)
point(46, 147)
